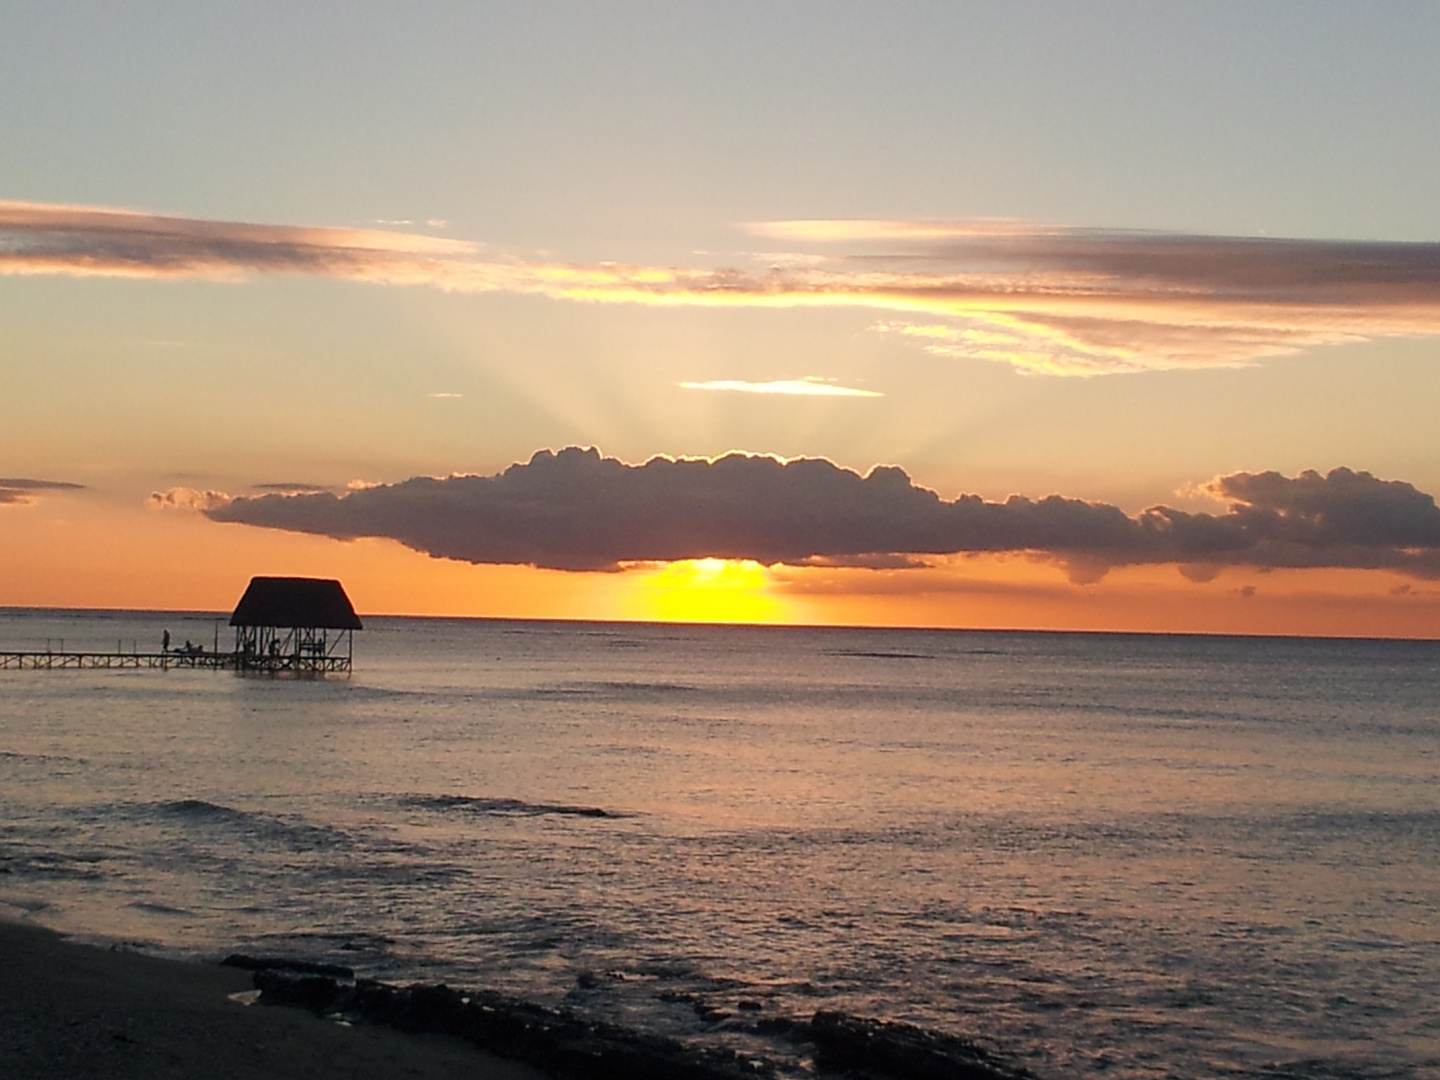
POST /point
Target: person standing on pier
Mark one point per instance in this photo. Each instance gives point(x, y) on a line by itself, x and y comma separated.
point(165, 641)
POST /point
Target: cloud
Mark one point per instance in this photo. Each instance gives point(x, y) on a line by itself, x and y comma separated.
point(811, 385)
point(1343, 507)
point(185, 498)
point(1089, 301)
point(21, 483)
point(872, 229)
point(1044, 299)
point(41, 238)
point(20, 490)
point(576, 510)
point(292, 487)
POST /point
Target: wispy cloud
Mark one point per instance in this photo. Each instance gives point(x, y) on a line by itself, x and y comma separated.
point(43, 238)
point(19, 490)
point(811, 385)
point(1042, 298)
point(872, 229)
point(187, 498)
point(576, 510)
point(293, 487)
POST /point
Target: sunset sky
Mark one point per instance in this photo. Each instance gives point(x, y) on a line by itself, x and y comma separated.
point(288, 288)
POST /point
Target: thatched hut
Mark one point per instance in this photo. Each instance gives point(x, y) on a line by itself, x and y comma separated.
point(300, 625)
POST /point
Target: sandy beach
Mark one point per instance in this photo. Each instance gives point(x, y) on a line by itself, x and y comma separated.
point(75, 1011)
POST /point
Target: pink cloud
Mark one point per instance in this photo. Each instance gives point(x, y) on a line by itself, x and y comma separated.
point(1044, 299)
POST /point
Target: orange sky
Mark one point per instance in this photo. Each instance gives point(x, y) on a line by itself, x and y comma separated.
point(291, 253)
point(70, 550)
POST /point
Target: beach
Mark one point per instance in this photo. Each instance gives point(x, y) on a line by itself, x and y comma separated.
point(75, 1011)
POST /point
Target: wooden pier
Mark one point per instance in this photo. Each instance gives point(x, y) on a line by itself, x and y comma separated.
point(307, 663)
point(302, 627)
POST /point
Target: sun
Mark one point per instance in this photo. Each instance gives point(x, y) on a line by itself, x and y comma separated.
point(707, 590)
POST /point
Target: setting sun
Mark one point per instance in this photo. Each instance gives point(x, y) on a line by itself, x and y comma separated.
point(708, 590)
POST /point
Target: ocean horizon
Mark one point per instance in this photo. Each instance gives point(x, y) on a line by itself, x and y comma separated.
point(1136, 855)
point(223, 618)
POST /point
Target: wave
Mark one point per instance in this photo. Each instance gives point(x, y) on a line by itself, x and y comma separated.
point(11, 755)
point(874, 655)
point(605, 689)
point(503, 807)
point(199, 808)
point(264, 828)
point(150, 907)
point(54, 865)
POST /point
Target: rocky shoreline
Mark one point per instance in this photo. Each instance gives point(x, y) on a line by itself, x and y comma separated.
point(569, 1047)
point(70, 1011)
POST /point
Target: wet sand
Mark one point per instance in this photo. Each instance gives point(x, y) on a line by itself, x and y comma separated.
point(75, 1012)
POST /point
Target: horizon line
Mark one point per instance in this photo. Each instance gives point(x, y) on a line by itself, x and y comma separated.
point(740, 624)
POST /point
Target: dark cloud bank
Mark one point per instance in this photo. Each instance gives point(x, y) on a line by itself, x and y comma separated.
point(578, 511)
point(22, 489)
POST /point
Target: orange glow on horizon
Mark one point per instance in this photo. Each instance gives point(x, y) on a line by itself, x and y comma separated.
point(72, 551)
point(1025, 592)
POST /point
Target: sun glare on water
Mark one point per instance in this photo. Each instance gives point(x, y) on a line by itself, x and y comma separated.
point(707, 590)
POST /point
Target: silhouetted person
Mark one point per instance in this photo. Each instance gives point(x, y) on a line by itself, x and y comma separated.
point(165, 642)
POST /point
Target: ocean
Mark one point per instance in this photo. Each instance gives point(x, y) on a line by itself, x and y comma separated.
point(1104, 855)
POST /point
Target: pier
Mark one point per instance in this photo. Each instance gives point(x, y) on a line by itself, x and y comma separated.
point(307, 663)
point(283, 626)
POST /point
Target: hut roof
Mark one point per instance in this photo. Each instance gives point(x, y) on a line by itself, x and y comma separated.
point(295, 601)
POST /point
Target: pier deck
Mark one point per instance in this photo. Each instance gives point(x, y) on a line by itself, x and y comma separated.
point(305, 664)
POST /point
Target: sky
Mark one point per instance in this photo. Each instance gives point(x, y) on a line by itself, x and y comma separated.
point(1106, 316)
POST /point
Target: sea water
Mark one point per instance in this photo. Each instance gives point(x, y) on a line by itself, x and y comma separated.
point(1129, 856)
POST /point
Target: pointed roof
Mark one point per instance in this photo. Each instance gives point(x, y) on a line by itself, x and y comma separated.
point(296, 601)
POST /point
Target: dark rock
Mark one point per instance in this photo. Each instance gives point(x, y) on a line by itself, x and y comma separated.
point(746, 1005)
point(555, 1041)
point(785, 1027)
point(318, 993)
point(376, 1002)
point(568, 1047)
point(854, 1046)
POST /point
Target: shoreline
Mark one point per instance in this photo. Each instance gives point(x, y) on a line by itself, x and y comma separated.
point(71, 1011)
point(75, 1012)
